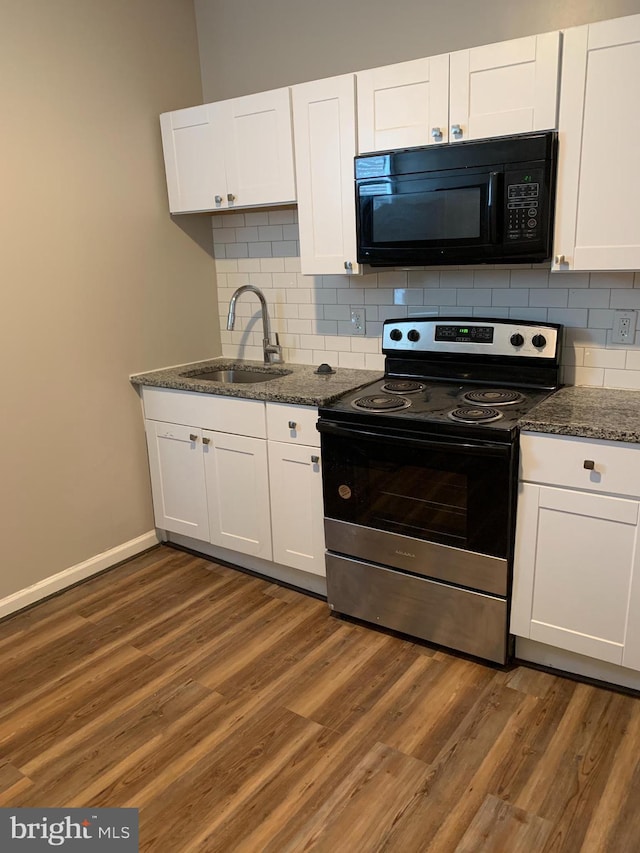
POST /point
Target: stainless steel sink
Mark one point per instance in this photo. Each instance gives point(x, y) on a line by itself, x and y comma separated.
point(237, 375)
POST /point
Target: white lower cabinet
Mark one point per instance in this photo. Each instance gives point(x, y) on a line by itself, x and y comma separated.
point(237, 482)
point(297, 522)
point(177, 478)
point(243, 492)
point(577, 556)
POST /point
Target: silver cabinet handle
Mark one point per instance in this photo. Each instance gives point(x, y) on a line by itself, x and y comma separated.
point(456, 130)
point(231, 197)
point(436, 133)
point(315, 459)
point(218, 199)
point(589, 464)
point(348, 266)
point(292, 424)
point(560, 259)
point(206, 440)
point(193, 437)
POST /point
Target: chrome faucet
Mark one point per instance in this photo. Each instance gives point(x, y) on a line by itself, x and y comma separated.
point(272, 352)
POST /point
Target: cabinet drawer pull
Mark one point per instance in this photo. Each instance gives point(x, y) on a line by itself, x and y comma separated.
point(560, 259)
point(315, 459)
point(193, 437)
point(231, 197)
point(218, 199)
point(456, 130)
point(589, 464)
point(292, 424)
point(206, 440)
point(436, 133)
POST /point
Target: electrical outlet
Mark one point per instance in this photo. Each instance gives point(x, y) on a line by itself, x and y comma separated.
point(357, 321)
point(624, 327)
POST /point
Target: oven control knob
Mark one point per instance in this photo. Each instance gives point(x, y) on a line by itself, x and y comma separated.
point(395, 335)
point(538, 341)
point(516, 339)
point(413, 335)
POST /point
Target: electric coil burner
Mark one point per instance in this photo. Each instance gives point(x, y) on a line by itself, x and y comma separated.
point(381, 403)
point(420, 478)
point(469, 415)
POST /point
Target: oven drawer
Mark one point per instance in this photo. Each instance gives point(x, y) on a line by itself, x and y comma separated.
point(419, 557)
point(470, 622)
point(560, 461)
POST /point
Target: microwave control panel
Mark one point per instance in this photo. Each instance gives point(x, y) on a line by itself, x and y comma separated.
point(524, 205)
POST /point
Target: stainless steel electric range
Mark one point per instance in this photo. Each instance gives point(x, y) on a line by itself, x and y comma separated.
point(420, 478)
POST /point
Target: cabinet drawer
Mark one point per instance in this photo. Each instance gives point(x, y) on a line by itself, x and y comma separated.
point(295, 424)
point(208, 411)
point(560, 461)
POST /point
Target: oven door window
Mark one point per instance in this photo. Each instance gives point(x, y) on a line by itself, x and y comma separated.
point(454, 497)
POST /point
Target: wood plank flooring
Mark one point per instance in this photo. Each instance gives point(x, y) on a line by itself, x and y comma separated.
point(240, 716)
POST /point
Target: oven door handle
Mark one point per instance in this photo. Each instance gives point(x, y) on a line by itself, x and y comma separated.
point(478, 448)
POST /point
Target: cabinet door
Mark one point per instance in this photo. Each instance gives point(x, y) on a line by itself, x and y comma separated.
point(597, 223)
point(403, 105)
point(193, 158)
point(259, 149)
point(325, 144)
point(296, 506)
point(238, 492)
point(509, 87)
point(177, 479)
point(574, 561)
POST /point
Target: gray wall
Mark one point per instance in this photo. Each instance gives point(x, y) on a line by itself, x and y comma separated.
point(97, 282)
point(253, 45)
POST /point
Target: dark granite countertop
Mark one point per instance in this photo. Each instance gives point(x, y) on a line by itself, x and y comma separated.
point(301, 385)
point(612, 414)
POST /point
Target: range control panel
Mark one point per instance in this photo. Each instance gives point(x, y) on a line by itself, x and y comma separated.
point(461, 335)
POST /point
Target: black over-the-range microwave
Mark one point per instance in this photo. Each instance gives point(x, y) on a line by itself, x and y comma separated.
point(488, 201)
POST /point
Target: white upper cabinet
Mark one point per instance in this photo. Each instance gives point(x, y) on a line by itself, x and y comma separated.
point(504, 88)
point(494, 90)
point(235, 153)
point(325, 144)
point(597, 223)
point(192, 159)
point(403, 105)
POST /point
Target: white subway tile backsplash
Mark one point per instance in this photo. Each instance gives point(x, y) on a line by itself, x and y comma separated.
point(576, 317)
point(313, 313)
point(611, 280)
point(509, 297)
point(622, 378)
point(589, 298)
point(257, 218)
point(473, 296)
point(284, 248)
point(625, 299)
point(282, 217)
point(352, 359)
point(260, 250)
point(233, 220)
point(548, 298)
point(604, 358)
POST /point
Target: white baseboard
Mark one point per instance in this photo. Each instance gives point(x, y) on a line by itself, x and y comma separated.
point(44, 588)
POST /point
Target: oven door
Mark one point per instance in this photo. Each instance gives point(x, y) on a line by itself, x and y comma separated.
point(435, 219)
point(435, 506)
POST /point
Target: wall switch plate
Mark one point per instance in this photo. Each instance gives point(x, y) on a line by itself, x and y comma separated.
point(624, 327)
point(357, 321)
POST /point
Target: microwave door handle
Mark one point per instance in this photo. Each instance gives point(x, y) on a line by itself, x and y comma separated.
point(492, 205)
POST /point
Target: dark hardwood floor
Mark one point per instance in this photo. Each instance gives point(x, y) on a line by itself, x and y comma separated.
point(239, 716)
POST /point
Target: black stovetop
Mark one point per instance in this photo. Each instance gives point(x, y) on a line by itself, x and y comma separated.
point(430, 409)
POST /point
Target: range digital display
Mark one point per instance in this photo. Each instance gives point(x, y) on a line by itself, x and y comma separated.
point(465, 334)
